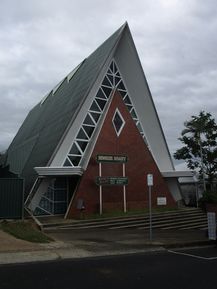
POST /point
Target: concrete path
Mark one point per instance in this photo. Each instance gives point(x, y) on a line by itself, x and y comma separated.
point(90, 243)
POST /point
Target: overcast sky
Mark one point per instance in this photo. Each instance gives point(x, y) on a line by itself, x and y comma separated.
point(41, 41)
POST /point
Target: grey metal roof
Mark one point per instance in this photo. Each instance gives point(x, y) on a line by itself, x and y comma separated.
point(44, 126)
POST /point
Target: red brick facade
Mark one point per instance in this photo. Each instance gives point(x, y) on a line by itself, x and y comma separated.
point(140, 163)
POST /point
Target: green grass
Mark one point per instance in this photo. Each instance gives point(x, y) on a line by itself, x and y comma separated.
point(24, 230)
point(128, 213)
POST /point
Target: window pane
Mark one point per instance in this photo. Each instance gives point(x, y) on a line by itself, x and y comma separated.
point(67, 163)
point(94, 107)
point(117, 79)
point(81, 134)
point(110, 77)
point(133, 113)
point(74, 150)
point(82, 145)
point(88, 120)
point(106, 82)
point(121, 86)
point(75, 160)
point(95, 116)
point(100, 94)
point(127, 100)
point(101, 103)
point(107, 90)
point(88, 129)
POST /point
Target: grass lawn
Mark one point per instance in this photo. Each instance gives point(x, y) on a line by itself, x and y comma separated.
point(24, 230)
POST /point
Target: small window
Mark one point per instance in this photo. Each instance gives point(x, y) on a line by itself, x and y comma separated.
point(81, 134)
point(110, 77)
point(74, 150)
point(106, 82)
point(88, 120)
point(133, 114)
point(95, 116)
point(82, 145)
point(118, 122)
point(127, 100)
point(67, 163)
point(94, 107)
point(75, 160)
point(101, 103)
point(107, 90)
point(101, 94)
point(117, 80)
point(121, 86)
point(88, 129)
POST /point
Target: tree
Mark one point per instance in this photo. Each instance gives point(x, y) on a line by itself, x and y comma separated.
point(200, 146)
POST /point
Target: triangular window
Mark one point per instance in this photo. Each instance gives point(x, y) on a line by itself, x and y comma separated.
point(107, 90)
point(118, 122)
point(111, 81)
point(75, 160)
point(95, 116)
point(67, 163)
point(81, 134)
point(106, 82)
point(94, 107)
point(88, 129)
point(88, 120)
point(82, 145)
point(101, 103)
point(110, 77)
point(74, 150)
point(121, 86)
point(101, 94)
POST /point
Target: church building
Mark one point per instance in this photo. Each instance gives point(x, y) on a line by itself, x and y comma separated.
point(94, 140)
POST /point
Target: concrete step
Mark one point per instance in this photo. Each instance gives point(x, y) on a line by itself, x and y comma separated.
point(161, 223)
point(191, 217)
point(54, 221)
point(128, 220)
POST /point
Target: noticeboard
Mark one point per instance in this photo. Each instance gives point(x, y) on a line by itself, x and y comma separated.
point(111, 181)
point(111, 158)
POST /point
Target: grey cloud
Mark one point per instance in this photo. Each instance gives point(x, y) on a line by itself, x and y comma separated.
point(41, 42)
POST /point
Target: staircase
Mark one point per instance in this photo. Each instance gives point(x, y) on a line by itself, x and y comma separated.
point(182, 219)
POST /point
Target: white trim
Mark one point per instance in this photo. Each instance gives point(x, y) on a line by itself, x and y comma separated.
point(59, 171)
point(177, 174)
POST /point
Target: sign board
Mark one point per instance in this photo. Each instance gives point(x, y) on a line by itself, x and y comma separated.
point(211, 218)
point(150, 180)
point(111, 181)
point(161, 201)
point(111, 158)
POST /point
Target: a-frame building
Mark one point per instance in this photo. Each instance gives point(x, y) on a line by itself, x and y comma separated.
point(97, 130)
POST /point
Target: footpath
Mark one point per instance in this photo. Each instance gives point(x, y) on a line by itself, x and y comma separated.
point(69, 244)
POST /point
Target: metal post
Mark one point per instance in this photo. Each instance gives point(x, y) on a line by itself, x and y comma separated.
point(150, 213)
point(124, 191)
point(202, 164)
point(100, 190)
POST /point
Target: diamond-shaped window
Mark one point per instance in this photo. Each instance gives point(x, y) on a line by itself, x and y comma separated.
point(118, 122)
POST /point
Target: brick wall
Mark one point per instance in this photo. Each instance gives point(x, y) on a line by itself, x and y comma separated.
point(140, 163)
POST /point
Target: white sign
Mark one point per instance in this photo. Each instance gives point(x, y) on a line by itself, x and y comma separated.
point(150, 180)
point(161, 201)
point(211, 218)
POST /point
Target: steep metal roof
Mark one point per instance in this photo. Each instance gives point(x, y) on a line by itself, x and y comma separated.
point(44, 126)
